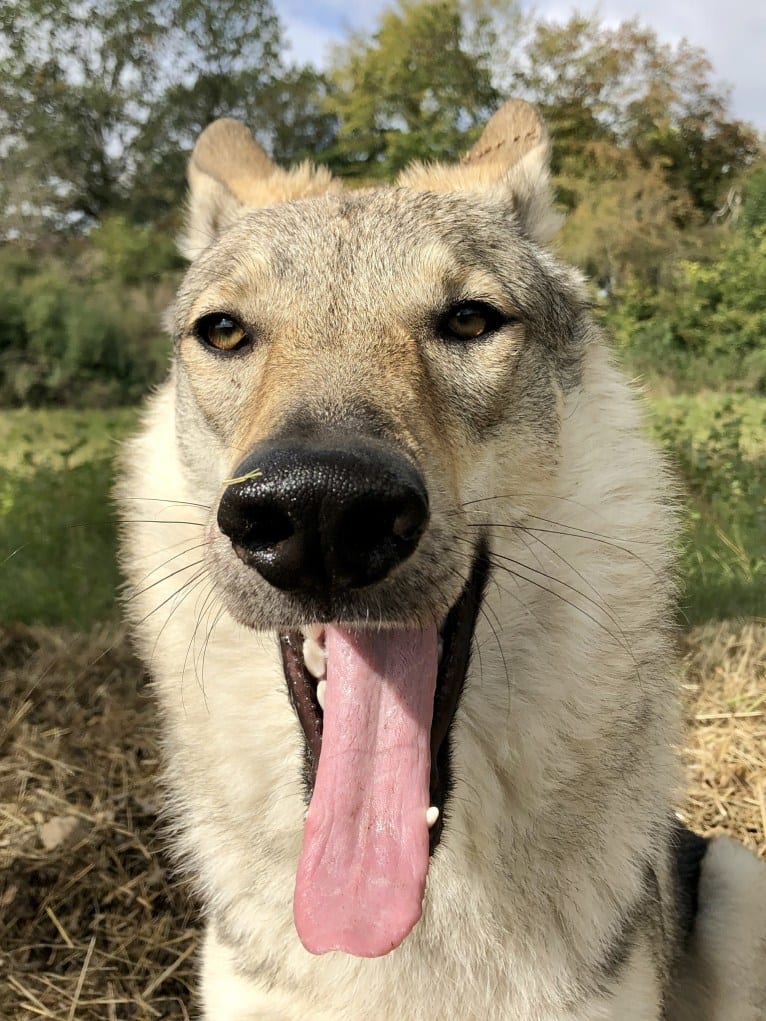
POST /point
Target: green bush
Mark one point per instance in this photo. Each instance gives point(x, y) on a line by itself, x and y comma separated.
point(82, 331)
point(134, 254)
point(707, 331)
point(721, 455)
point(57, 521)
point(57, 545)
point(753, 213)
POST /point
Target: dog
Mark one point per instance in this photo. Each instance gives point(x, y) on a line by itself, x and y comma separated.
point(400, 560)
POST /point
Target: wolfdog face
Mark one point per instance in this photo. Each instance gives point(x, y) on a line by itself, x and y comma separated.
point(400, 560)
point(381, 409)
point(356, 371)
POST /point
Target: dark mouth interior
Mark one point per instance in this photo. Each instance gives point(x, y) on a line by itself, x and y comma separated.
point(456, 636)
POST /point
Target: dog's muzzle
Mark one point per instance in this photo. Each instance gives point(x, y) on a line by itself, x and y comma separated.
point(320, 517)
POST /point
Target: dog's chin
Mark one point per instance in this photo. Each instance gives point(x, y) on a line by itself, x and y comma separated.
point(304, 665)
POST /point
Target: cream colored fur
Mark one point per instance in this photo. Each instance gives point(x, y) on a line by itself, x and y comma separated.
point(559, 800)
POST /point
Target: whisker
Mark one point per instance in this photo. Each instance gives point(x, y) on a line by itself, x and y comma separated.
point(210, 594)
point(194, 582)
point(161, 521)
point(165, 549)
point(167, 577)
point(558, 581)
point(500, 649)
point(574, 530)
point(166, 500)
point(591, 537)
point(568, 602)
point(571, 567)
point(208, 637)
point(190, 581)
point(621, 641)
point(463, 582)
point(548, 496)
point(183, 553)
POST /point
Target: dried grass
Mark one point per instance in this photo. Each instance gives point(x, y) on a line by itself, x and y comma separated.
point(93, 927)
point(725, 752)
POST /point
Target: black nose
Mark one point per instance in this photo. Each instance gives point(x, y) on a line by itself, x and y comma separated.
point(322, 517)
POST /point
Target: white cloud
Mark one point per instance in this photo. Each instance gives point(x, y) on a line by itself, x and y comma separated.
point(312, 28)
point(308, 43)
point(733, 34)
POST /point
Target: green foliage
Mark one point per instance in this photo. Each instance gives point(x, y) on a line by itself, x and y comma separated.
point(57, 543)
point(302, 124)
point(412, 92)
point(220, 59)
point(754, 206)
point(719, 445)
point(623, 219)
point(82, 331)
point(133, 253)
point(71, 88)
point(706, 327)
point(57, 526)
point(102, 100)
point(621, 86)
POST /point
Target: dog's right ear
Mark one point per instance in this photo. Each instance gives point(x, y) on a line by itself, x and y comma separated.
point(228, 173)
point(511, 161)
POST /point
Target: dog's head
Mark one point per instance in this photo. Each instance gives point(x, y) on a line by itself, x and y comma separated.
point(356, 371)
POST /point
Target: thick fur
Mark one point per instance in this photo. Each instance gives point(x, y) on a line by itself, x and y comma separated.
point(555, 893)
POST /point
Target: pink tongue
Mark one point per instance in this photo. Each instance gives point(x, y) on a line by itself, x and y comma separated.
point(362, 871)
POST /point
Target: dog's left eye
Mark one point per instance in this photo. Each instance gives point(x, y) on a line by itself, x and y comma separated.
point(471, 320)
point(222, 332)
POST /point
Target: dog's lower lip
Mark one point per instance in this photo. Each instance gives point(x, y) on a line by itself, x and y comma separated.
point(305, 685)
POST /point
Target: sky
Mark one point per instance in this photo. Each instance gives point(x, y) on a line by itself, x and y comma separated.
point(732, 33)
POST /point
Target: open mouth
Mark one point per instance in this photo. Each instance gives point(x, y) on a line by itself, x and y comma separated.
point(376, 708)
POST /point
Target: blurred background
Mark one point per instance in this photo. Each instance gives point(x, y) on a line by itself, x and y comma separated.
point(662, 177)
point(100, 103)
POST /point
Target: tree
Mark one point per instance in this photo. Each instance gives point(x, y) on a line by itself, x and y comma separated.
point(623, 225)
point(71, 88)
point(284, 108)
point(413, 91)
point(624, 86)
point(219, 57)
point(101, 101)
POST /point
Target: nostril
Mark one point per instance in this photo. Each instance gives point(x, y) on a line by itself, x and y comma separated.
point(408, 525)
point(373, 535)
point(366, 523)
point(268, 527)
point(250, 519)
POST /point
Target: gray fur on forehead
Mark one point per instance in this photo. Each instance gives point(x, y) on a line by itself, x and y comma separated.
point(388, 237)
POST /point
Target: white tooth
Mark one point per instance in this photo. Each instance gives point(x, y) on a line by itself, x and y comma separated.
point(321, 689)
point(314, 657)
point(432, 814)
point(441, 647)
point(315, 631)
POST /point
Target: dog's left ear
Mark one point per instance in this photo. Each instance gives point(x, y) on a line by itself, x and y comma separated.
point(229, 173)
point(510, 160)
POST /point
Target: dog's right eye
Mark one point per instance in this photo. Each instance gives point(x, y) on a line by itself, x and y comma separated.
point(471, 320)
point(221, 332)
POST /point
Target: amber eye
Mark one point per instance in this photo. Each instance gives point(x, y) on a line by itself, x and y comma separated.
point(222, 332)
point(471, 320)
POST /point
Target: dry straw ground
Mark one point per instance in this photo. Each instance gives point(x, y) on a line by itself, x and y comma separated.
point(92, 925)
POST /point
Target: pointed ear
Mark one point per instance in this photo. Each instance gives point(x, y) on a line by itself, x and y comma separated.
point(511, 160)
point(228, 173)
